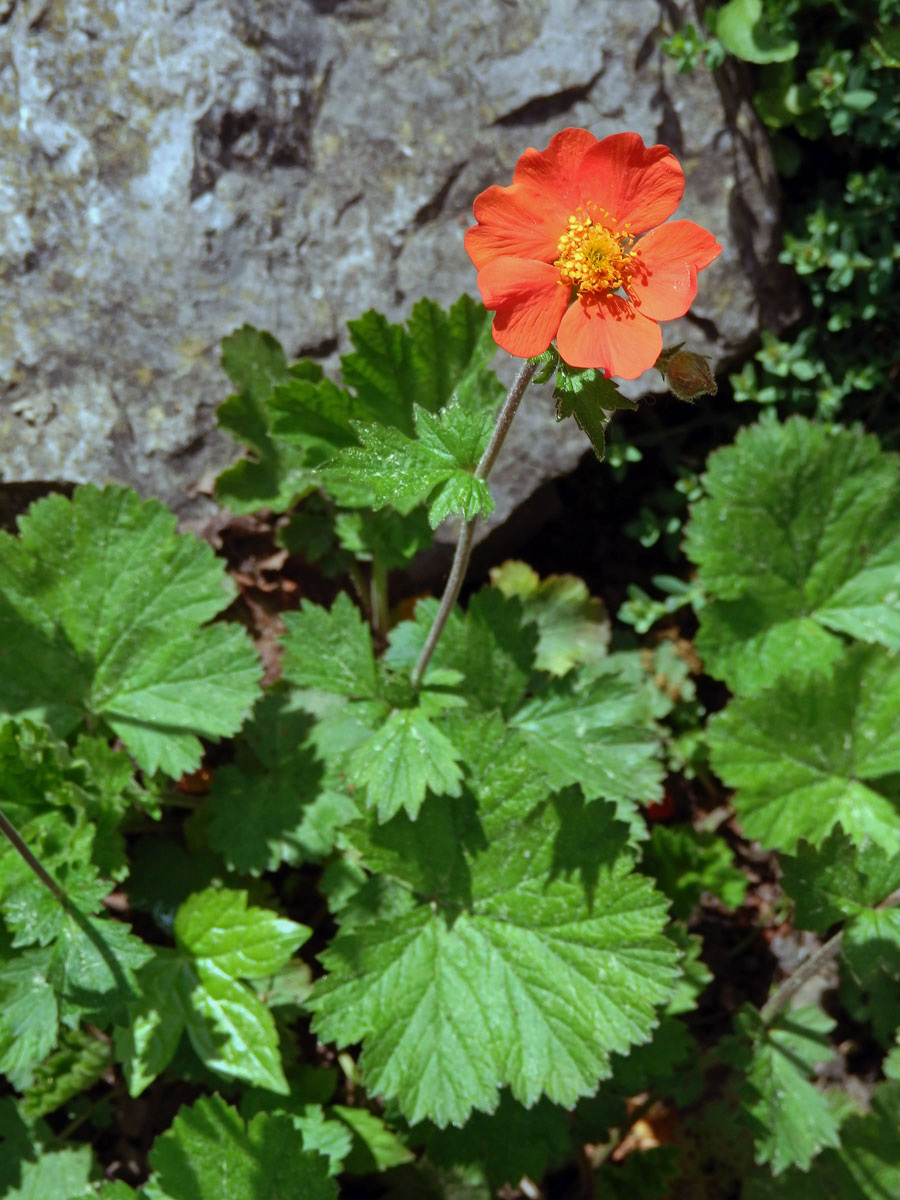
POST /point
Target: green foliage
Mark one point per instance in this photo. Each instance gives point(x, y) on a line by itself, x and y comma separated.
point(740, 29)
point(506, 1144)
point(790, 1118)
point(278, 472)
point(866, 1164)
point(503, 945)
point(62, 1174)
point(437, 463)
point(871, 953)
point(209, 1152)
point(807, 756)
point(76, 1065)
point(448, 998)
point(685, 864)
point(690, 48)
point(572, 624)
point(838, 879)
point(408, 426)
point(197, 989)
point(826, 89)
point(590, 397)
point(797, 542)
point(295, 811)
point(103, 616)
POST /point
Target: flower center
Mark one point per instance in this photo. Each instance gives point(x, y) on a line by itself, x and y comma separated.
point(594, 255)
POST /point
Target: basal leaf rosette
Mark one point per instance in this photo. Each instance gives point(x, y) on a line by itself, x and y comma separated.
point(528, 954)
point(103, 615)
point(580, 248)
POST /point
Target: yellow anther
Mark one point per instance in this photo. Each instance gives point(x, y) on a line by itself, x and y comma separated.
point(594, 255)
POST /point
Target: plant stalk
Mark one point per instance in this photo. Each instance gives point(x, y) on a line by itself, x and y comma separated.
point(378, 599)
point(825, 953)
point(15, 839)
point(467, 531)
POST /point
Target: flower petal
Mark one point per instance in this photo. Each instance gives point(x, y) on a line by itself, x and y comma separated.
point(637, 184)
point(668, 259)
point(554, 174)
point(529, 301)
point(514, 222)
point(609, 332)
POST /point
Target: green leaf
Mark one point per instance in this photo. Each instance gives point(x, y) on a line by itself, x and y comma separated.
point(685, 864)
point(75, 1066)
point(871, 950)
point(388, 538)
point(272, 805)
point(489, 651)
point(331, 651)
point(436, 465)
point(102, 614)
point(664, 1065)
point(218, 929)
point(791, 1119)
point(510, 1142)
point(62, 1174)
point(276, 475)
point(116, 1190)
point(392, 368)
point(809, 755)
point(451, 352)
point(374, 1147)
point(35, 915)
point(68, 806)
point(838, 879)
point(402, 760)
point(451, 998)
point(865, 1166)
point(380, 370)
point(92, 965)
point(29, 1015)
point(220, 940)
point(165, 1009)
point(233, 1033)
point(326, 1137)
point(740, 29)
point(588, 729)
point(209, 1153)
point(572, 625)
point(590, 397)
point(797, 542)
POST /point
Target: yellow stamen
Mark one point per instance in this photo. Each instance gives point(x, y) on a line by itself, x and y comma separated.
point(595, 255)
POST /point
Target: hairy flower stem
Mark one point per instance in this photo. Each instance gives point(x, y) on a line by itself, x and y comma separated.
point(13, 836)
point(813, 965)
point(467, 532)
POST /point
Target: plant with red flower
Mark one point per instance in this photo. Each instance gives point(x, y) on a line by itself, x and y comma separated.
point(576, 249)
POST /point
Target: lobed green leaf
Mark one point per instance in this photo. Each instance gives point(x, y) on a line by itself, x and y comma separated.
point(811, 754)
point(797, 542)
point(102, 611)
point(451, 998)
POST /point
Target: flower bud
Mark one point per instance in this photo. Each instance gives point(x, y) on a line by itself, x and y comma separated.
point(687, 374)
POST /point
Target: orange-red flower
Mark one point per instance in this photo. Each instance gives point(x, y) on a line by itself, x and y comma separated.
point(576, 249)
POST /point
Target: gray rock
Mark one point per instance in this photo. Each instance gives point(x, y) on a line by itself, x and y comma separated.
point(175, 168)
